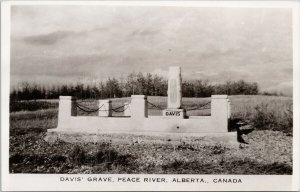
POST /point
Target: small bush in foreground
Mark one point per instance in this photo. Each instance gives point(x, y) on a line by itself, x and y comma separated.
point(263, 118)
point(106, 156)
point(77, 155)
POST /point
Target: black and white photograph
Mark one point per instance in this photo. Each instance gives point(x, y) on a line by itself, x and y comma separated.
point(125, 93)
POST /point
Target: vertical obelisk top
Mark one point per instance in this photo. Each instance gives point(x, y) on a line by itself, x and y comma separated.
point(175, 69)
point(174, 88)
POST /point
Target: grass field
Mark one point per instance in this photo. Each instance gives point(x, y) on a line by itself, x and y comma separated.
point(268, 149)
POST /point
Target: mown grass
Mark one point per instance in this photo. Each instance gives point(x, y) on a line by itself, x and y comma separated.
point(31, 105)
point(269, 148)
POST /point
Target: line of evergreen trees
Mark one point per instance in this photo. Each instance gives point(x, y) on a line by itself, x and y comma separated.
point(133, 84)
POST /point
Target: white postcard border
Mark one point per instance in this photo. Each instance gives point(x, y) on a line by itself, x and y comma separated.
point(51, 182)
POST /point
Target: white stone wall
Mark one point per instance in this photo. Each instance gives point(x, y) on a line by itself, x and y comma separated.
point(174, 119)
point(139, 120)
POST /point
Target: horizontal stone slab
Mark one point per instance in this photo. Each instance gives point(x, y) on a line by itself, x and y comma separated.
point(219, 96)
point(139, 96)
point(94, 124)
point(105, 101)
point(67, 98)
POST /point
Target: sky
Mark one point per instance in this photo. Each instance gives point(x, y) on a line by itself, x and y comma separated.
point(55, 44)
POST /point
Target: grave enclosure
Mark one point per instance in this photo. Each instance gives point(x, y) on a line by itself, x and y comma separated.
point(174, 122)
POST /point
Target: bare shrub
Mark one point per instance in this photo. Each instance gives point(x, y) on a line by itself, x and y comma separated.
point(111, 156)
point(105, 156)
point(287, 121)
point(77, 155)
point(219, 149)
point(262, 118)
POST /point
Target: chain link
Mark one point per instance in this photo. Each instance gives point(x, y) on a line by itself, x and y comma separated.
point(117, 109)
point(86, 109)
point(90, 110)
point(120, 111)
point(200, 107)
point(155, 106)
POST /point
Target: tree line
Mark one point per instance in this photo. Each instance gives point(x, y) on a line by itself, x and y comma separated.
point(133, 84)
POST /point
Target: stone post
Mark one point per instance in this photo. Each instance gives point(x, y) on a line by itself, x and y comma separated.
point(229, 108)
point(127, 111)
point(139, 106)
point(219, 112)
point(105, 110)
point(66, 109)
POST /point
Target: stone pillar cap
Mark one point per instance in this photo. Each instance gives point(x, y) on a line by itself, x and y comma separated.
point(219, 96)
point(139, 96)
point(67, 98)
point(105, 100)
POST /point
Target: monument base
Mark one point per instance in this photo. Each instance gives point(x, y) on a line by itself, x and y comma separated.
point(174, 113)
point(228, 139)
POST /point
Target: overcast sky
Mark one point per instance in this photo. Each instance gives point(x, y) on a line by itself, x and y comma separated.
point(64, 44)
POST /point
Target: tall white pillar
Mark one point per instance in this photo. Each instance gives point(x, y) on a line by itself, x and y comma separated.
point(229, 108)
point(66, 109)
point(174, 88)
point(139, 106)
point(219, 112)
point(174, 95)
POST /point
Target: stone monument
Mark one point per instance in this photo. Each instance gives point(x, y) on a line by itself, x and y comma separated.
point(174, 122)
point(174, 94)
